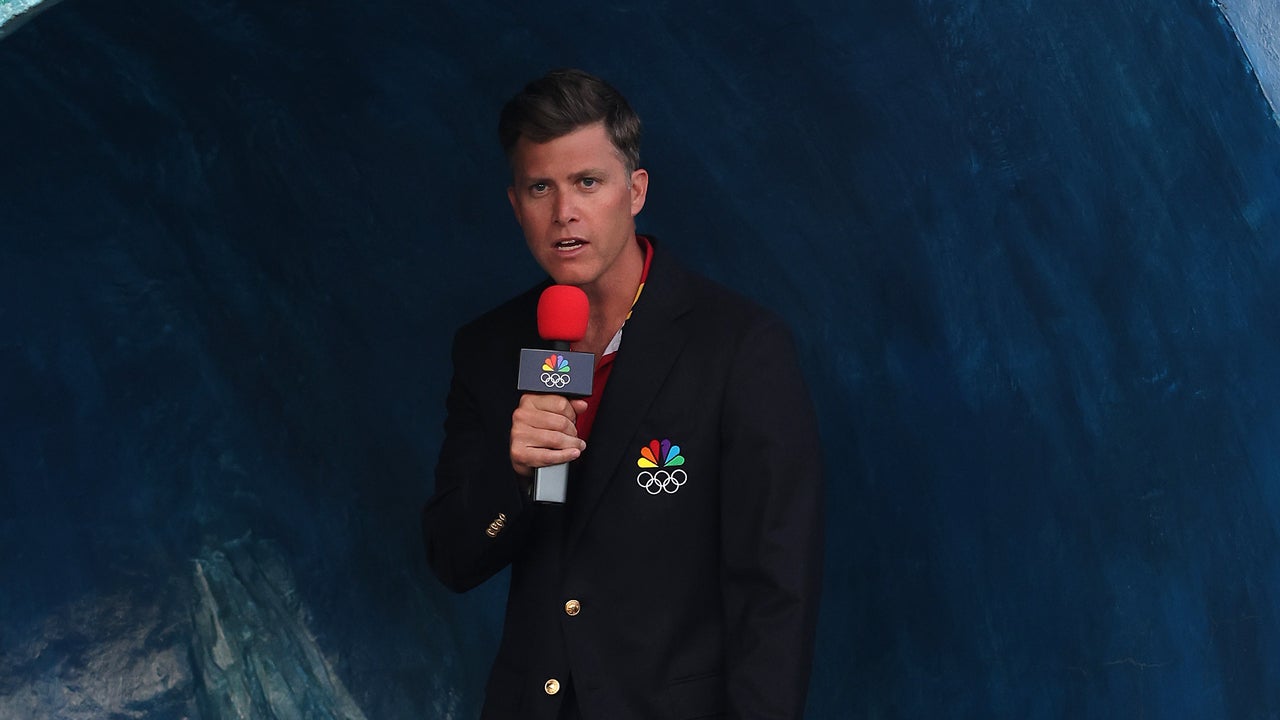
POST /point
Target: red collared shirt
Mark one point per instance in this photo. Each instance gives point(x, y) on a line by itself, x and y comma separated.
point(604, 366)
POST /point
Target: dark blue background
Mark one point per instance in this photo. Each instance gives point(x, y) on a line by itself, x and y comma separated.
point(1029, 251)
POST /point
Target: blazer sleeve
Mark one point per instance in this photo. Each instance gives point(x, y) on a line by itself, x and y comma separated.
point(771, 527)
point(475, 521)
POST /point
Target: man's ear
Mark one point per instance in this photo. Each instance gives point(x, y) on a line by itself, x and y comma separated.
point(639, 189)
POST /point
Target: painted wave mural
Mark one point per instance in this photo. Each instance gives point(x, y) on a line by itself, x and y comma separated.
point(1028, 251)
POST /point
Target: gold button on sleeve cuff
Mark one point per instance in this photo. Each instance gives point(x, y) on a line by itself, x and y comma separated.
point(552, 687)
point(496, 526)
point(572, 608)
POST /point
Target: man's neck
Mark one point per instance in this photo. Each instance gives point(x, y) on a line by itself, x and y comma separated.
point(611, 299)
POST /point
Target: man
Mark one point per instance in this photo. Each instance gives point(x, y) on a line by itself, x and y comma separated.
point(680, 579)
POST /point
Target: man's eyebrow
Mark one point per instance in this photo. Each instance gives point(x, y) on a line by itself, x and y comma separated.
point(573, 177)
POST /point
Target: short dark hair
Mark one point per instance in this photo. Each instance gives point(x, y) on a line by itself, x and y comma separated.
point(564, 100)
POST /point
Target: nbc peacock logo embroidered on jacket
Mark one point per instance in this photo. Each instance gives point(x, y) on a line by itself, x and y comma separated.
point(660, 470)
point(555, 371)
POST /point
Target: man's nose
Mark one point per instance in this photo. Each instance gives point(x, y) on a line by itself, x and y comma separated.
point(566, 209)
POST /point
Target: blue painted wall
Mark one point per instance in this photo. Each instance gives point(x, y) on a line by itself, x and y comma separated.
point(1029, 251)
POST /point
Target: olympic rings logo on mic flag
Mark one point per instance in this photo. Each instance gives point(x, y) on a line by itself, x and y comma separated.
point(555, 371)
point(656, 462)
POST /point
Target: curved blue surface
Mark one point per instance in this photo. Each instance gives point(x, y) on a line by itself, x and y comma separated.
point(1029, 252)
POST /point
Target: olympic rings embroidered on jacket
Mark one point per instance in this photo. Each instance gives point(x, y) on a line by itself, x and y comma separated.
point(660, 481)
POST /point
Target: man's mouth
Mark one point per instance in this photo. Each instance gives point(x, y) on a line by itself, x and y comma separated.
point(569, 244)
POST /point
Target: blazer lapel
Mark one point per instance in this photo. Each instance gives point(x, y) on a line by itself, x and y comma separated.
point(651, 342)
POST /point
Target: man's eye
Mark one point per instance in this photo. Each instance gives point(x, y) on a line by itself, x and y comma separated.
point(589, 182)
point(538, 188)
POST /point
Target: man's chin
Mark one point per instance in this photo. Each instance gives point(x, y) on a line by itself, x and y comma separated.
point(563, 276)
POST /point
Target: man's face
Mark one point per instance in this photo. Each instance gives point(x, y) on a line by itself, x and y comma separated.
point(576, 203)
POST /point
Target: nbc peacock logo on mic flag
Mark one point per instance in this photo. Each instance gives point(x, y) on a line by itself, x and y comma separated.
point(555, 371)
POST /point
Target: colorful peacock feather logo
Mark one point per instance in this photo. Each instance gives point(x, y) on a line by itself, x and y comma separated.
point(556, 363)
point(660, 454)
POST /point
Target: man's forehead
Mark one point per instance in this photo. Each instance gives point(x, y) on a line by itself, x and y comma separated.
point(585, 150)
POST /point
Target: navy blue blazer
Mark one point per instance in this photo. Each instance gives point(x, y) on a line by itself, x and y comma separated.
point(681, 578)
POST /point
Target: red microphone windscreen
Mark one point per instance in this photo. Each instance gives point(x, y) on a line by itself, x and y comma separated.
point(562, 313)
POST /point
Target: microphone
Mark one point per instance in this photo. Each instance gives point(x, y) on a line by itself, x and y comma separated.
point(562, 319)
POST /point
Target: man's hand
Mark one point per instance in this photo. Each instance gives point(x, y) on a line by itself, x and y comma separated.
point(543, 433)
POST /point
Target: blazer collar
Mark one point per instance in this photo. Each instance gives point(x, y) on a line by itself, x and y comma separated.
point(652, 341)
